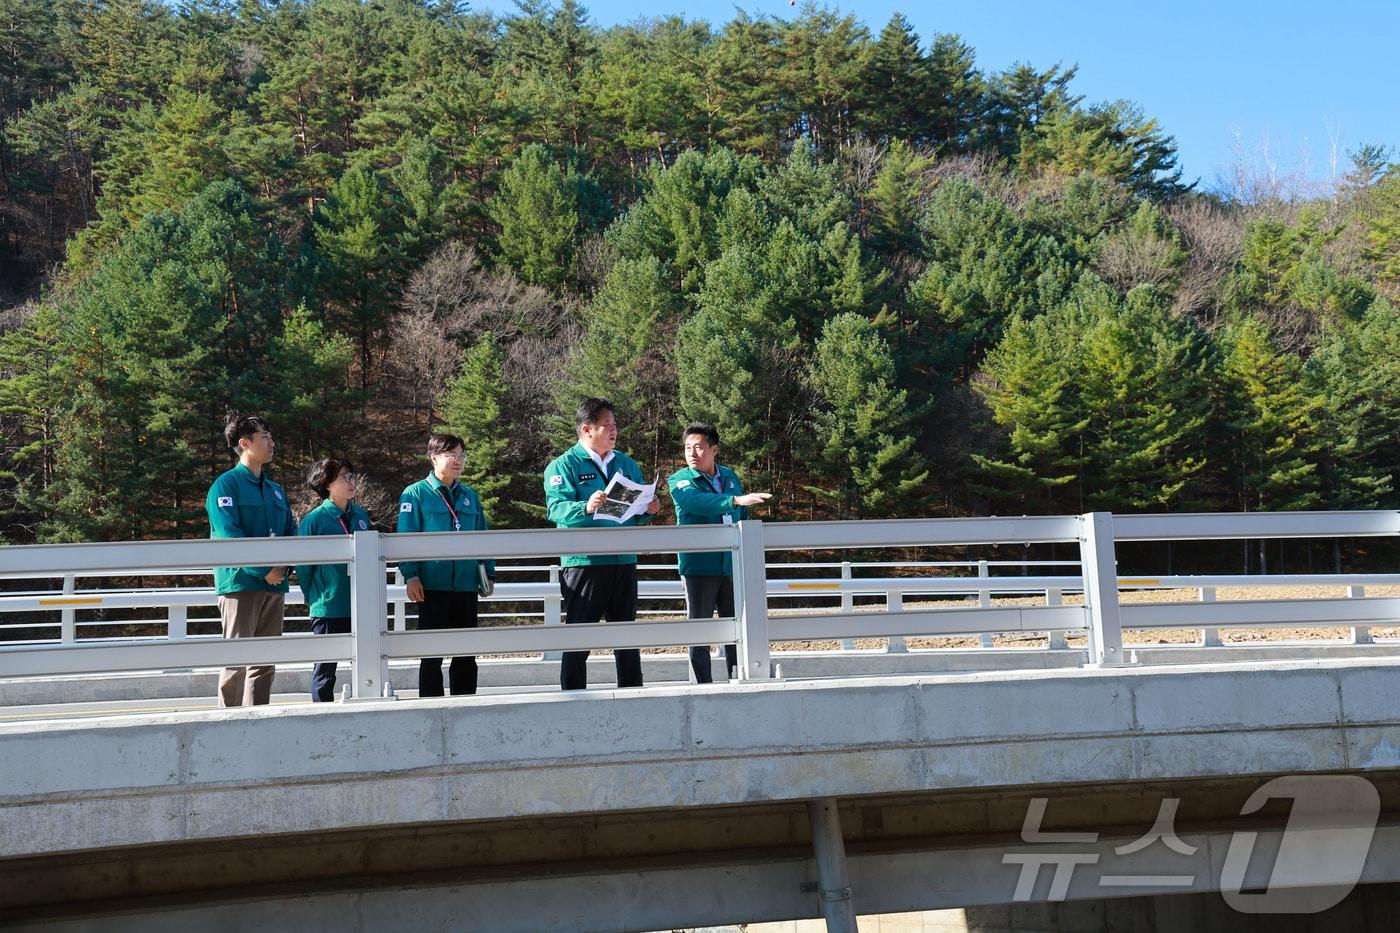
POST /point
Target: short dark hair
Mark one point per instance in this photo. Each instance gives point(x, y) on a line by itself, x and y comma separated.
point(590, 410)
point(322, 473)
point(237, 427)
point(710, 432)
point(441, 443)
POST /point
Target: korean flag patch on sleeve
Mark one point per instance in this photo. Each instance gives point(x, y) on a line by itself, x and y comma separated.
point(226, 502)
point(556, 481)
point(683, 484)
point(405, 506)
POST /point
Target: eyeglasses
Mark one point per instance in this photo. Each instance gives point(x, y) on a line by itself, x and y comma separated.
point(453, 454)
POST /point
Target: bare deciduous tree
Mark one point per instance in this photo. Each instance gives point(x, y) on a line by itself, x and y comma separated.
point(1127, 260)
point(1213, 237)
point(449, 303)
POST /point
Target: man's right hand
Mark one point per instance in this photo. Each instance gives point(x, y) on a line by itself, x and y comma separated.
point(595, 502)
point(415, 590)
point(275, 576)
point(752, 498)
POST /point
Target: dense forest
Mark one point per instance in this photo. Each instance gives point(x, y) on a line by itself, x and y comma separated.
point(901, 285)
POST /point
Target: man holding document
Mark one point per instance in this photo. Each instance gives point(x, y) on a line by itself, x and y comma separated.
point(593, 485)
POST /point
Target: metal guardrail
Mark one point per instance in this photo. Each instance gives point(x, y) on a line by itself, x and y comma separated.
point(373, 643)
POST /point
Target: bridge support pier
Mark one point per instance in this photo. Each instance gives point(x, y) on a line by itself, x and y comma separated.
point(833, 881)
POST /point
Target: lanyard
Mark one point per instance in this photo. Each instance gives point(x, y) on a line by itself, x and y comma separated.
point(341, 518)
point(456, 522)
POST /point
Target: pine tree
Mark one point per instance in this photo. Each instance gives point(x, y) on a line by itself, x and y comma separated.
point(626, 356)
point(314, 394)
point(1357, 376)
point(895, 201)
point(1144, 381)
point(1114, 141)
point(957, 93)
point(897, 86)
point(153, 346)
point(743, 78)
point(863, 429)
point(33, 395)
point(677, 220)
point(1383, 232)
point(1274, 452)
point(1031, 385)
point(471, 409)
point(737, 365)
point(984, 268)
point(540, 210)
point(361, 260)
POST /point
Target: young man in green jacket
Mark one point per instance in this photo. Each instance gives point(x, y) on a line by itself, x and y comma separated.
point(446, 591)
point(326, 587)
point(244, 502)
point(706, 493)
point(594, 586)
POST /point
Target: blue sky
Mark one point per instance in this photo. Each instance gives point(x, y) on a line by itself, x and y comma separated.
point(1278, 74)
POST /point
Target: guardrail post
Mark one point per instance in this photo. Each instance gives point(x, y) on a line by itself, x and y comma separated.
point(984, 601)
point(68, 616)
point(894, 602)
point(400, 623)
point(554, 610)
point(1055, 640)
point(1210, 637)
point(177, 626)
point(848, 601)
point(1360, 634)
point(751, 603)
point(1098, 556)
point(368, 598)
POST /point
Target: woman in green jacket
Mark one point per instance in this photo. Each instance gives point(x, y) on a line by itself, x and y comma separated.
point(327, 586)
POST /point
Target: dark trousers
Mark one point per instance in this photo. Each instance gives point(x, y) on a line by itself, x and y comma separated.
point(703, 595)
point(447, 609)
point(591, 594)
point(323, 674)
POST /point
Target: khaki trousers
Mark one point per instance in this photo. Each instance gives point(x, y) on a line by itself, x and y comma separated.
point(252, 614)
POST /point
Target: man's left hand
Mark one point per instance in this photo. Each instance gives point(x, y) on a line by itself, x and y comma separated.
point(653, 506)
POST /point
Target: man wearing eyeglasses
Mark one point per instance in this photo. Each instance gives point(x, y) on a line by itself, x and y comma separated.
point(244, 502)
point(446, 591)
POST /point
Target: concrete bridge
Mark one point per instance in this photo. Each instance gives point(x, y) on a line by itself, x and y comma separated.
point(678, 806)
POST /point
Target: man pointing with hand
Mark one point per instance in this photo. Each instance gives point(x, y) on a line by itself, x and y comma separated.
point(706, 493)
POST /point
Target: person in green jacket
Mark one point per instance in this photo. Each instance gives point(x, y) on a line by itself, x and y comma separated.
point(594, 586)
point(326, 587)
point(244, 502)
point(446, 591)
point(705, 493)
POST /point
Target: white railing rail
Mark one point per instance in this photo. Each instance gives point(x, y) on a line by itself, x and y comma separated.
point(372, 645)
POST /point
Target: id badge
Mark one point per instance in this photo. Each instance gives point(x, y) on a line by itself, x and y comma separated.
point(729, 519)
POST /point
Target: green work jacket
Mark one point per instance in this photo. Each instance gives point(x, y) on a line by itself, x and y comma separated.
point(699, 503)
point(327, 586)
point(241, 505)
point(569, 480)
point(423, 508)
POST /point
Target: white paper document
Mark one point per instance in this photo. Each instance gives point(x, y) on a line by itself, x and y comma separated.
point(626, 499)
